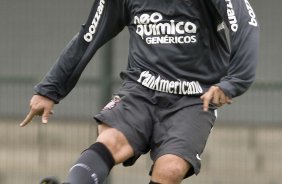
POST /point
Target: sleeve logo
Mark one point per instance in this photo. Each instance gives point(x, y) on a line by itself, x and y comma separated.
point(231, 16)
point(92, 28)
point(253, 21)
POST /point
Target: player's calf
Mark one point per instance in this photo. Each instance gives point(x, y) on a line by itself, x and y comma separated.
point(93, 166)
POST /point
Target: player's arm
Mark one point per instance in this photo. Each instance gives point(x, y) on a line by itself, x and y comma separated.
point(107, 18)
point(243, 27)
point(244, 44)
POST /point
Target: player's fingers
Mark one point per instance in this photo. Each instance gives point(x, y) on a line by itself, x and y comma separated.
point(45, 115)
point(51, 113)
point(229, 101)
point(223, 98)
point(216, 99)
point(28, 118)
point(206, 101)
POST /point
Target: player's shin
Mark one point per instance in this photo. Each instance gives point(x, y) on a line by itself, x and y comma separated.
point(93, 166)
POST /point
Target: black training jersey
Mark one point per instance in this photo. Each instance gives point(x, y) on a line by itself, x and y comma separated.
point(176, 46)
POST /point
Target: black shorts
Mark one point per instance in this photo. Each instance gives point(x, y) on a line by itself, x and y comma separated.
point(161, 122)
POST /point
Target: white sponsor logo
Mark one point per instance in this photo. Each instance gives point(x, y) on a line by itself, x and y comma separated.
point(95, 178)
point(174, 87)
point(231, 16)
point(154, 30)
point(81, 165)
point(198, 157)
point(252, 14)
point(92, 28)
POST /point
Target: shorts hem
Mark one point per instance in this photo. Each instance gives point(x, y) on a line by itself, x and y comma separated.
point(137, 153)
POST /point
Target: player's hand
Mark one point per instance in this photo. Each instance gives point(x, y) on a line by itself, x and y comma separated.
point(215, 96)
point(39, 106)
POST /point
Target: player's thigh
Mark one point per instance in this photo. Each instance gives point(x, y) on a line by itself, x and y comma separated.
point(185, 134)
point(115, 141)
point(129, 113)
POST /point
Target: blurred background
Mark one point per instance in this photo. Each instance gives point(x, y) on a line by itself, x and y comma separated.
point(245, 145)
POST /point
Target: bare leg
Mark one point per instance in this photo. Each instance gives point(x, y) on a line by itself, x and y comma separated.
point(116, 142)
point(94, 164)
point(169, 169)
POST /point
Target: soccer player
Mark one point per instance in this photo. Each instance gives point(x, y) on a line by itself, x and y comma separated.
point(181, 68)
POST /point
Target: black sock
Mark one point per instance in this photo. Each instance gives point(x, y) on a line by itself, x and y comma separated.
point(93, 166)
point(151, 182)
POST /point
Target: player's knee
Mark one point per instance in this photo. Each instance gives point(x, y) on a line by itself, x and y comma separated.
point(172, 172)
point(112, 139)
point(117, 143)
point(170, 169)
